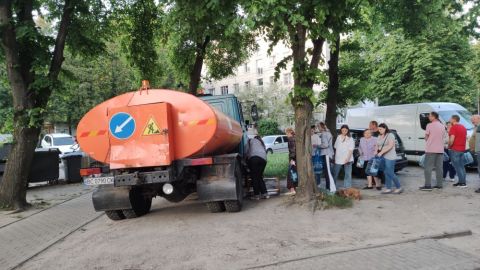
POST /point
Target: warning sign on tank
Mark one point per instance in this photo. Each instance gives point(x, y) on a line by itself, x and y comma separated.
point(151, 128)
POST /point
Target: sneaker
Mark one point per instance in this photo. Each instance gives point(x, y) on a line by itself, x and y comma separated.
point(426, 188)
point(398, 191)
point(438, 187)
point(265, 196)
point(368, 188)
point(477, 190)
point(451, 180)
point(291, 193)
point(462, 185)
point(386, 191)
point(255, 197)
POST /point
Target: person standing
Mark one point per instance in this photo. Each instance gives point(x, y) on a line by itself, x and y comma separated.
point(292, 157)
point(373, 126)
point(344, 146)
point(434, 137)
point(386, 148)
point(447, 164)
point(326, 153)
point(457, 144)
point(316, 142)
point(366, 149)
point(476, 145)
point(257, 160)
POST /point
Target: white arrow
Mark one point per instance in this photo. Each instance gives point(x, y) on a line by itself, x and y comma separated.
point(120, 127)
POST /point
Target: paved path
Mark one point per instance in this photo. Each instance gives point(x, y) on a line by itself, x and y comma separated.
point(419, 255)
point(21, 240)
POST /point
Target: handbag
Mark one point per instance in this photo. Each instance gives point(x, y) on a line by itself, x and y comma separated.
point(467, 158)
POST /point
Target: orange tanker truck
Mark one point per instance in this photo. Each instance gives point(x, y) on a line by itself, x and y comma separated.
point(156, 142)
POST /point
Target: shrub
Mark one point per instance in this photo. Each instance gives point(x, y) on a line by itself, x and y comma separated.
point(267, 127)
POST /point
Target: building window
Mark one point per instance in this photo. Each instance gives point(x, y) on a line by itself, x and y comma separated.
point(224, 90)
point(287, 79)
point(211, 91)
point(246, 68)
point(260, 82)
point(259, 67)
point(247, 84)
point(236, 88)
point(272, 61)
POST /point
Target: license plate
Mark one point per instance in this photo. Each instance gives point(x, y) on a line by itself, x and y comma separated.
point(93, 181)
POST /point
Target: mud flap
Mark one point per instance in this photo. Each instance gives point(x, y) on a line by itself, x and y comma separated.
point(108, 197)
point(222, 180)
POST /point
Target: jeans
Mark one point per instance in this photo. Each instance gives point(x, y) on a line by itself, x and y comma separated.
point(389, 171)
point(478, 162)
point(433, 160)
point(458, 163)
point(347, 181)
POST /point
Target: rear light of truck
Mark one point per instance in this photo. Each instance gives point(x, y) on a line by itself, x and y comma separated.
point(90, 171)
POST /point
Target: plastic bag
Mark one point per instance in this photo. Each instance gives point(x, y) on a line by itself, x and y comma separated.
point(421, 162)
point(467, 158)
point(317, 162)
point(360, 163)
point(292, 170)
point(376, 166)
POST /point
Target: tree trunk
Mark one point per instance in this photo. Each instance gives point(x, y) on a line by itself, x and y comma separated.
point(196, 73)
point(303, 114)
point(13, 190)
point(332, 89)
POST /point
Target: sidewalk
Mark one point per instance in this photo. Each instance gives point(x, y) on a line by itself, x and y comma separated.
point(21, 240)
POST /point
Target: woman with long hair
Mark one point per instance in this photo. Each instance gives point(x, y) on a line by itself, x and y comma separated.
point(386, 148)
point(344, 146)
point(292, 181)
point(366, 149)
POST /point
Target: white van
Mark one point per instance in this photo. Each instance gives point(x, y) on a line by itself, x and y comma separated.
point(409, 120)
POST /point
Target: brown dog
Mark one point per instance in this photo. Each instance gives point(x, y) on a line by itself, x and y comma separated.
point(350, 193)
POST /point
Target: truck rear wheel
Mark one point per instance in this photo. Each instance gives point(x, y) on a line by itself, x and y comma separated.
point(140, 205)
point(215, 207)
point(115, 214)
point(233, 206)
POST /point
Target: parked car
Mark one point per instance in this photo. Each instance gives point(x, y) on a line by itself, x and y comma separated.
point(276, 143)
point(63, 142)
point(401, 162)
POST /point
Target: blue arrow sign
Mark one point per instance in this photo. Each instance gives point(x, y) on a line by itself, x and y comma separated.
point(122, 125)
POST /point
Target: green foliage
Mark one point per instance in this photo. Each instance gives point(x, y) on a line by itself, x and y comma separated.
point(277, 165)
point(267, 127)
point(213, 31)
point(6, 107)
point(335, 201)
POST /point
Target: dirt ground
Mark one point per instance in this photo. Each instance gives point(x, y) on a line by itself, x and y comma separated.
point(187, 236)
point(42, 196)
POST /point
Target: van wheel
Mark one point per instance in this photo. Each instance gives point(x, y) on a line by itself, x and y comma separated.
point(269, 151)
point(215, 207)
point(140, 205)
point(115, 214)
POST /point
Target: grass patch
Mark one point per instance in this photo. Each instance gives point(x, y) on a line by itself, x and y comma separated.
point(335, 201)
point(277, 165)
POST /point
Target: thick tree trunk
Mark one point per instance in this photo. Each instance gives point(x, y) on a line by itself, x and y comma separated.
point(303, 115)
point(196, 73)
point(13, 190)
point(332, 89)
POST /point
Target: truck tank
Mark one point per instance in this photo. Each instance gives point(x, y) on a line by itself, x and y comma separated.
point(154, 128)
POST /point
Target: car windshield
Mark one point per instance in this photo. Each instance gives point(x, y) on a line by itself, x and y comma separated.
point(464, 117)
point(63, 141)
point(268, 140)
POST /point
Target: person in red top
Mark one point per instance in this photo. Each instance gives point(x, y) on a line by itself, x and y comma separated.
point(457, 144)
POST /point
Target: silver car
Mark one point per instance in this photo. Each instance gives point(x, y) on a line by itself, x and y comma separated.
point(276, 143)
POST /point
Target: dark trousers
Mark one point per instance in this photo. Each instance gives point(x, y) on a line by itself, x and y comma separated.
point(257, 166)
point(327, 170)
point(448, 169)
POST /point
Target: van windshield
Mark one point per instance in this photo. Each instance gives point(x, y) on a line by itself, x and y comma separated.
point(268, 140)
point(464, 117)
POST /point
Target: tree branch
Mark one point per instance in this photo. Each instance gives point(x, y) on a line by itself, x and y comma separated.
point(58, 58)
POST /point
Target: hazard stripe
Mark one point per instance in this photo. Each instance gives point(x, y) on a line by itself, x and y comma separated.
point(93, 133)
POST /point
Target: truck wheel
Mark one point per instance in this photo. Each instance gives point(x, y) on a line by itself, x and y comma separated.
point(233, 206)
point(215, 207)
point(115, 214)
point(140, 205)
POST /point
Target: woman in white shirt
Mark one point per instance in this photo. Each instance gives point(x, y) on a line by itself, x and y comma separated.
point(344, 146)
